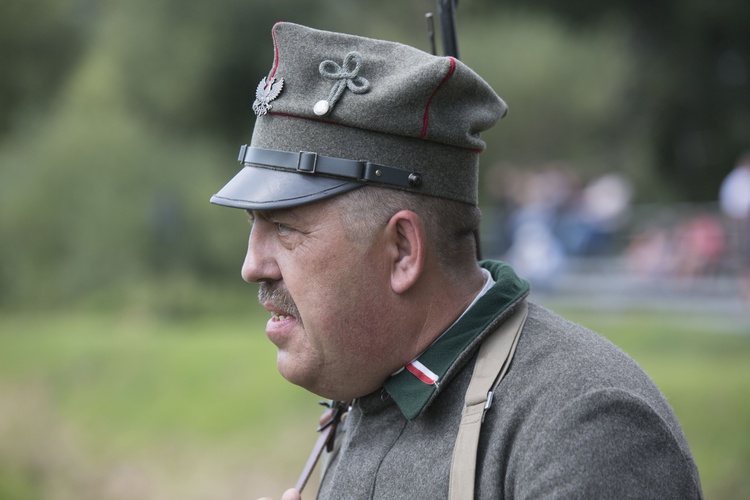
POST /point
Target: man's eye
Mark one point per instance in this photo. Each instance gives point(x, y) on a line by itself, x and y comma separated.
point(283, 228)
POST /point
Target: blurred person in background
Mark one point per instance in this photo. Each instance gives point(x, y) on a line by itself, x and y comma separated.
point(734, 199)
point(361, 185)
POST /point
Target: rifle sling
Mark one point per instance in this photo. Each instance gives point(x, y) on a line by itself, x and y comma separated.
point(326, 436)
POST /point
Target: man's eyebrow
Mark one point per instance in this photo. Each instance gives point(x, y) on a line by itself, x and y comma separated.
point(259, 213)
point(271, 214)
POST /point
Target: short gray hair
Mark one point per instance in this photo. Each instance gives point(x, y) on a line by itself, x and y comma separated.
point(451, 226)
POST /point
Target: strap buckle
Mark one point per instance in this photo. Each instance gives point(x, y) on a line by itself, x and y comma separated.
point(243, 152)
point(307, 162)
point(490, 399)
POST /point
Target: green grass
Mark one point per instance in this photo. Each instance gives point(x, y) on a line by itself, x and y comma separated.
point(108, 392)
point(109, 406)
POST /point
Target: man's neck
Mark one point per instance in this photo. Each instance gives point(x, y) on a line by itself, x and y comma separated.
point(444, 301)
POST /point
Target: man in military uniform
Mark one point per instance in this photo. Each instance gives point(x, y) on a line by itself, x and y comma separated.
point(361, 182)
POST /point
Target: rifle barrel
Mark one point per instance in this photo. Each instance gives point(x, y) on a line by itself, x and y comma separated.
point(447, 10)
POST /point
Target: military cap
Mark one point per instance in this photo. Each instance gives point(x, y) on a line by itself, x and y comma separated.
point(337, 112)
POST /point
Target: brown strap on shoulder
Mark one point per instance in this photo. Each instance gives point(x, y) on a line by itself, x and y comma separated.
point(492, 364)
point(327, 434)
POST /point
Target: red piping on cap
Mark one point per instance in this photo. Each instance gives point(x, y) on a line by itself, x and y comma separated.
point(427, 108)
point(328, 122)
point(275, 52)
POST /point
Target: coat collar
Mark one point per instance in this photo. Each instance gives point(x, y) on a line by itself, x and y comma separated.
point(418, 384)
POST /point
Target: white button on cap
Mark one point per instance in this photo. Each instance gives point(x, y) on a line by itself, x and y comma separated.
point(321, 108)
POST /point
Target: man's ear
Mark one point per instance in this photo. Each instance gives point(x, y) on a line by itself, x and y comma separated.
point(408, 246)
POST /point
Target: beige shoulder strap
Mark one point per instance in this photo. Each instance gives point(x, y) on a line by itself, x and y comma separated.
point(492, 363)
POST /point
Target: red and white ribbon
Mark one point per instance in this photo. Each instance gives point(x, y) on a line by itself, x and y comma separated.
point(422, 372)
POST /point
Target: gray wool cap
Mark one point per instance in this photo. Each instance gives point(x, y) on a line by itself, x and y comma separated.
point(337, 112)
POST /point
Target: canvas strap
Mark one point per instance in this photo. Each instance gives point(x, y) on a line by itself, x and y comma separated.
point(492, 364)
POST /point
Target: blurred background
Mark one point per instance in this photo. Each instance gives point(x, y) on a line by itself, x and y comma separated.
point(132, 357)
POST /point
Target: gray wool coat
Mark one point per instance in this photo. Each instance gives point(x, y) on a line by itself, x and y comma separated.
point(574, 417)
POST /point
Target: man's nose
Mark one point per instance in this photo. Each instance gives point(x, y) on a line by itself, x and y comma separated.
point(259, 264)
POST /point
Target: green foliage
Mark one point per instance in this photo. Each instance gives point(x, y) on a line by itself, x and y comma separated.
point(40, 43)
point(17, 483)
point(122, 118)
point(191, 66)
point(691, 86)
point(112, 188)
point(562, 89)
point(95, 197)
point(101, 201)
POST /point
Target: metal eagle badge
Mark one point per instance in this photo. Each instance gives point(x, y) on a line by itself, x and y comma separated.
point(266, 92)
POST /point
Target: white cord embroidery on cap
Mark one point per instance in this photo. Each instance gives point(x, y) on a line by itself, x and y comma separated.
point(346, 77)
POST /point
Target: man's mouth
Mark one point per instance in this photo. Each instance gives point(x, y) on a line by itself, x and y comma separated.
point(280, 317)
point(276, 298)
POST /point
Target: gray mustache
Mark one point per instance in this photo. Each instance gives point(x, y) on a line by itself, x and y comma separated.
point(274, 294)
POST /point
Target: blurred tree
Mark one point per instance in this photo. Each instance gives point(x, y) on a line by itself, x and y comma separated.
point(191, 66)
point(109, 188)
point(40, 43)
point(691, 87)
point(562, 90)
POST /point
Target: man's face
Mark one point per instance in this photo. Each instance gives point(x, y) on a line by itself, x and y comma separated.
point(328, 297)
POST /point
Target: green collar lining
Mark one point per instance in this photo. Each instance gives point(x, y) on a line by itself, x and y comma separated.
point(409, 392)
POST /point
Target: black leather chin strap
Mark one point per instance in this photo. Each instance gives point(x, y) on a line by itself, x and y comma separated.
point(309, 163)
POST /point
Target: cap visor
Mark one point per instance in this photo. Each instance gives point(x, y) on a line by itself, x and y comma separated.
point(258, 188)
